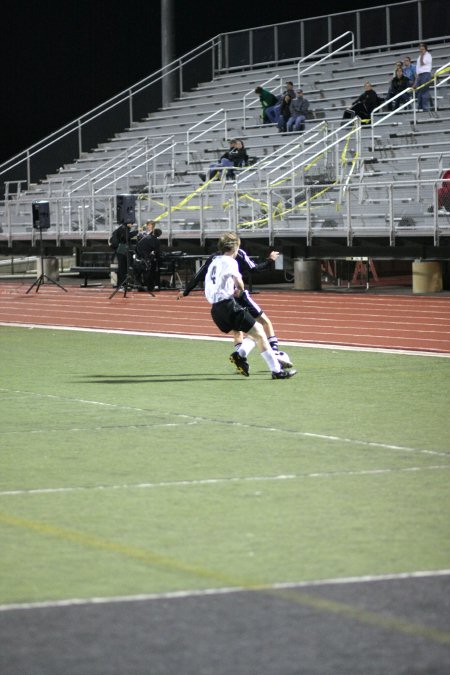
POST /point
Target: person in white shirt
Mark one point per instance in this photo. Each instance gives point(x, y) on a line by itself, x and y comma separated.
point(223, 283)
point(423, 75)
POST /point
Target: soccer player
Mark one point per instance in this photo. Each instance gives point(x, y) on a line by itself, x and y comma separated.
point(245, 263)
point(223, 285)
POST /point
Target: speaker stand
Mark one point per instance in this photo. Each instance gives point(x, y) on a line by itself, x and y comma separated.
point(42, 278)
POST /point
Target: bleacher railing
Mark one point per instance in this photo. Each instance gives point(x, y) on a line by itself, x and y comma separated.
point(278, 43)
point(113, 170)
point(246, 105)
point(331, 52)
point(443, 71)
point(298, 208)
point(216, 120)
point(410, 102)
point(125, 107)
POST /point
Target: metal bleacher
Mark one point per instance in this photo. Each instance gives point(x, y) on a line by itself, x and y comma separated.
point(331, 182)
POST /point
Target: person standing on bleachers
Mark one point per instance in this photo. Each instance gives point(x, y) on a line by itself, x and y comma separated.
point(423, 75)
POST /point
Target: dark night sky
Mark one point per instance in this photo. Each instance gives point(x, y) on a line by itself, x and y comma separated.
point(62, 58)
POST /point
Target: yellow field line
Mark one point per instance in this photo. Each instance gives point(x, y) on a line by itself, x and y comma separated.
point(148, 557)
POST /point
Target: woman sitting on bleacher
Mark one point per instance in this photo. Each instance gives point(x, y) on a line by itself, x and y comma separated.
point(236, 156)
point(398, 84)
point(364, 104)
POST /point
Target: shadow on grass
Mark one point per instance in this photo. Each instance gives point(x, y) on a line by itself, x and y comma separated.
point(159, 377)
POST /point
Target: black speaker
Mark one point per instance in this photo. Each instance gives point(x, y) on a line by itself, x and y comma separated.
point(41, 215)
point(126, 209)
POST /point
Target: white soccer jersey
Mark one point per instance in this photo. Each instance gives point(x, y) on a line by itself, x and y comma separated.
point(219, 280)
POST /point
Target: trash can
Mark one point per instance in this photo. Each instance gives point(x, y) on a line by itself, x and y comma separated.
point(427, 276)
point(307, 275)
point(51, 267)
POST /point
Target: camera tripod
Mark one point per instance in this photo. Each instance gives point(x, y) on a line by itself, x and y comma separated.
point(42, 278)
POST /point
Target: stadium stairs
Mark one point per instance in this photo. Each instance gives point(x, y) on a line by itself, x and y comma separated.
point(383, 191)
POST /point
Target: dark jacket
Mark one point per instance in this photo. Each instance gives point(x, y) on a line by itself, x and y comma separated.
point(148, 246)
point(244, 262)
point(122, 235)
point(398, 84)
point(238, 156)
point(285, 110)
point(368, 100)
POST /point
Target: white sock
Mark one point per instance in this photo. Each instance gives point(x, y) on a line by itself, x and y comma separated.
point(246, 347)
point(271, 360)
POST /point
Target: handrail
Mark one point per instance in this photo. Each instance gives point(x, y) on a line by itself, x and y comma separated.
point(327, 56)
point(190, 140)
point(249, 93)
point(409, 102)
point(86, 212)
point(108, 164)
point(266, 161)
point(127, 173)
point(311, 157)
point(76, 126)
point(283, 152)
point(440, 71)
point(112, 164)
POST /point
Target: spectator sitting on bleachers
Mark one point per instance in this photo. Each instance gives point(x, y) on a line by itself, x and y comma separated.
point(443, 194)
point(409, 70)
point(364, 104)
point(273, 111)
point(235, 156)
point(398, 84)
point(267, 100)
point(299, 109)
point(285, 112)
point(398, 64)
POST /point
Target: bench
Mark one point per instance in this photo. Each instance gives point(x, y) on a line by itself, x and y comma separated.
point(94, 265)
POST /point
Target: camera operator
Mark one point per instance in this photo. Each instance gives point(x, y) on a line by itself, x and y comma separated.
point(120, 243)
point(147, 258)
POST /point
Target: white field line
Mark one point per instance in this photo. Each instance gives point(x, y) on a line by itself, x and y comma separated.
point(288, 343)
point(259, 427)
point(221, 481)
point(174, 595)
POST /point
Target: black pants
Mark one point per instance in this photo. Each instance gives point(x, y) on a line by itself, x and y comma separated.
point(356, 109)
point(121, 269)
point(151, 274)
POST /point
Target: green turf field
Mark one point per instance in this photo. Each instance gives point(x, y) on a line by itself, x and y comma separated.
point(132, 465)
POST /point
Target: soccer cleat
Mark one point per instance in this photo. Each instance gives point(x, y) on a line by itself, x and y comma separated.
point(241, 363)
point(283, 374)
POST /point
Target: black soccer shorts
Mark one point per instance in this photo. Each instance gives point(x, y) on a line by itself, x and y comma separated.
point(229, 315)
